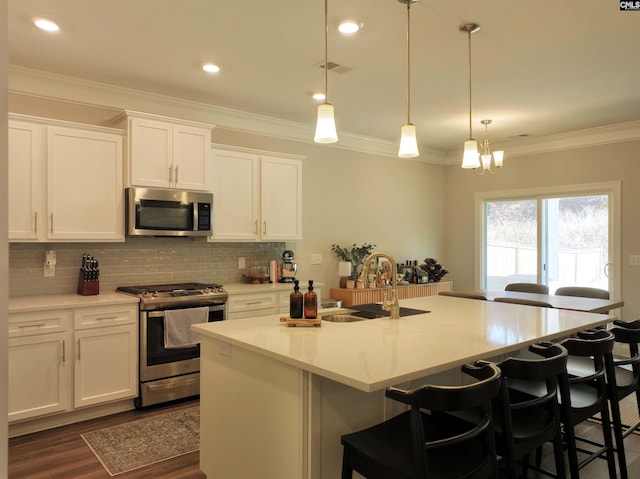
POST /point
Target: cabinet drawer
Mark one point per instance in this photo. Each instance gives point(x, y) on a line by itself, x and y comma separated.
point(38, 322)
point(102, 317)
point(252, 302)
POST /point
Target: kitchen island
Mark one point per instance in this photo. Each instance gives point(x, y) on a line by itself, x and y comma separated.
point(275, 400)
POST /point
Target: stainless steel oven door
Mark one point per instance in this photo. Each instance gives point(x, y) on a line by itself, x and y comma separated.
point(158, 362)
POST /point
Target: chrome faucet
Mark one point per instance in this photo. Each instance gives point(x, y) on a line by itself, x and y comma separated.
point(388, 305)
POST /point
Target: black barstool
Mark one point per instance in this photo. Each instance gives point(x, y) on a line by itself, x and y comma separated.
point(425, 442)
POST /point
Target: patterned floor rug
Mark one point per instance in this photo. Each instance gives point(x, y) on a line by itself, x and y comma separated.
point(139, 443)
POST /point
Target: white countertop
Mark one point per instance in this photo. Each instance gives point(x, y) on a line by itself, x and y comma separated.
point(372, 354)
point(23, 304)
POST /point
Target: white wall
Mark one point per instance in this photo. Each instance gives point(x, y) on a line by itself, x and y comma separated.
point(4, 274)
point(595, 164)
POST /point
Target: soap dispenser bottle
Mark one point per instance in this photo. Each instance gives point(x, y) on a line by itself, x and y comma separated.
point(295, 302)
point(310, 303)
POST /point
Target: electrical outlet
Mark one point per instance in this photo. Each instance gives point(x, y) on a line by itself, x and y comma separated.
point(316, 258)
point(634, 260)
point(241, 262)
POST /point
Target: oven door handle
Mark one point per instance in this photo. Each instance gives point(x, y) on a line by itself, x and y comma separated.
point(173, 385)
point(160, 314)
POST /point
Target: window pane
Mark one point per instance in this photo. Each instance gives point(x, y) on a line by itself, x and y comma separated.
point(511, 253)
point(577, 241)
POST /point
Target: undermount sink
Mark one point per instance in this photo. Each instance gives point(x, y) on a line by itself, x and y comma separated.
point(366, 311)
point(351, 316)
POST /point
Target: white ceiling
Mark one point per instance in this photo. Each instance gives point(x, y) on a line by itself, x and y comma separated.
point(539, 67)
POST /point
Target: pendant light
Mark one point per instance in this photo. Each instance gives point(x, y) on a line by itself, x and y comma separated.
point(325, 124)
point(408, 143)
point(486, 155)
point(471, 157)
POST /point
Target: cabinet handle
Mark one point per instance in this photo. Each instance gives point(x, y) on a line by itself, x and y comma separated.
point(25, 326)
point(35, 222)
point(255, 227)
point(78, 350)
point(64, 353)
point(51, 223)
point(176, 175)
point(104, 318)
point(170, 175)
point(251, 303)
point(264, 228)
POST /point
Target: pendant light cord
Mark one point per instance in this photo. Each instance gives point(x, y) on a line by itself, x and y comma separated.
point(470, 120)
point(326, 50)
point(408, 62)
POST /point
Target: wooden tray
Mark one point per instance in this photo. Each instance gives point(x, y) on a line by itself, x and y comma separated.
point(316, 323)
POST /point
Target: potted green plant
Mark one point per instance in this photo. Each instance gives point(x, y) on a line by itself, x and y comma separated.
point(355, 255)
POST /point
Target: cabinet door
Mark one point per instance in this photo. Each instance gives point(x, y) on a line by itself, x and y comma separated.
point(191, 157)
point(26, 164)
point(105, 364)
point(38, 375)
point(150, 152)
point(235, 195)
point(280, 198)
point(84, 172)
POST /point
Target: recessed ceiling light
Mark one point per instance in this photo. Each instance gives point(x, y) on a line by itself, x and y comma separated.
point(211, 68)
point(46, 25)
point(319, 96)
point(349, 27)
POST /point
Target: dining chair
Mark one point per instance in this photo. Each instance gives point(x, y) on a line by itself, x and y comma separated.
point(425, 442)
point(528, 288)
point(462, 295)
point(528, 302)
point(583, 292)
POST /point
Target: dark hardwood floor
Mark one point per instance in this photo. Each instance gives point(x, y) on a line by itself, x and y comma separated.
point(61, 453)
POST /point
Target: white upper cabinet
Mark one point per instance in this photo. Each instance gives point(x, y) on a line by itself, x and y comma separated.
point(26, 166)
point(255, 196)
point(65, 181)
point(166, 152)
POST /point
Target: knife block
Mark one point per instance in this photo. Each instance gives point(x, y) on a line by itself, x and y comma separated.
point(87, 288)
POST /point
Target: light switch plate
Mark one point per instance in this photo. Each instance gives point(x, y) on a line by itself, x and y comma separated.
point(634, 260)
point(316, 258)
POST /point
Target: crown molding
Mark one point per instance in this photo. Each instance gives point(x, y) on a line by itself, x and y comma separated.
point(26, 81)
point(602, 135)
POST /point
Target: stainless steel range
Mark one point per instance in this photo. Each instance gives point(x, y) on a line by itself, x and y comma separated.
point(167, 372)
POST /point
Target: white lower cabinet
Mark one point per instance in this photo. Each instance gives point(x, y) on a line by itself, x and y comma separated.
point(66, 359)
point(103, 368)
point(251, 305)
point(38, 375)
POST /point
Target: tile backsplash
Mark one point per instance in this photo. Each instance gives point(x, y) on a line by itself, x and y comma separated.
point(134, 262)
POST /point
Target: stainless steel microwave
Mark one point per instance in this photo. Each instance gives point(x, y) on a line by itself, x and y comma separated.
point(168, 212)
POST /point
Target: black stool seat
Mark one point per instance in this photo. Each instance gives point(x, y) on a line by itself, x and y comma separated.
point(424, 442)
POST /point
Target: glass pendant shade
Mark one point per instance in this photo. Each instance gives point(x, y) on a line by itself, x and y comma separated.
point(486, 161)
point(326, 125)
point(497, 158)
point(408, 143)
point(471, 158)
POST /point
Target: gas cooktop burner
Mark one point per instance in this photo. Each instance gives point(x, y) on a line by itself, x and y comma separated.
point(167, 296)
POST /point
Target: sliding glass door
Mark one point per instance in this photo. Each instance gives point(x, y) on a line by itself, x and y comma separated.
point(561, 237)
